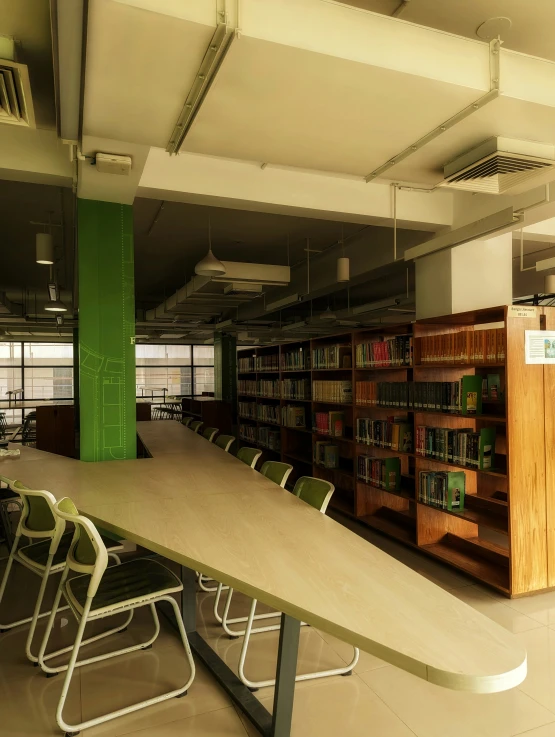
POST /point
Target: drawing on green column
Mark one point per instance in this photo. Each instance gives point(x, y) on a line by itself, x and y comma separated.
point(106, 331)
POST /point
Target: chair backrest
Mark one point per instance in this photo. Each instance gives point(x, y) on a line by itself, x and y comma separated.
point(87, 553)
point(249, 456)
point(186, 421)
point(195, 425)
point(38, 518)
point(315, 492)
point(276, 471)
point(210, 433)
point(225, 442)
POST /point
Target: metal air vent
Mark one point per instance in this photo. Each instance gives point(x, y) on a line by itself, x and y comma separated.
point(16, 104)
point(499, 165)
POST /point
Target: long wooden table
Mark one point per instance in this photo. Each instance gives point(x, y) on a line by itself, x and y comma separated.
point(201, 507)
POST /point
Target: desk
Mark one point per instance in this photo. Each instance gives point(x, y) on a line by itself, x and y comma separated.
point(197, 505)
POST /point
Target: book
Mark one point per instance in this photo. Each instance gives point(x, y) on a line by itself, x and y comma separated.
point(339, 392)
point(471, 395)
point(245, 365)
point(384, 473)
point(326, 454)
point(465, 346)
point(493, 387)
point(455, 397)
point(331, 357)
point(295, 360)
point(442, 489)
point(389, 433)
point(295, 389)
point(292, 416)
point(461, 446)
point(396, 351)
point(268, 362)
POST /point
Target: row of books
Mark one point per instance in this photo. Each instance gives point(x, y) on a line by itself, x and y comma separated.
point(340, 392)
point(261, 388)
point(462, 446)
point(247, 409)
point(395, 351)
point(385, 434)
point(442, 489)
point(465, 346)
point(329, 423)
point(326, 454)
point(266, 436)
point(245, 365)
point(295, 360)
point(463, 396)
point(295, 388)
point(332, 357)
point(384, 473)
point(268, 413)
point(292, 416)
point(268, 362)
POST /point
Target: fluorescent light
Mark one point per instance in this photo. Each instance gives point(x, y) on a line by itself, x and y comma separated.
point(547, 263)
point(474, 231)
point(375, 306)
point(52, 292)
point(55, 304)
point(279, 303)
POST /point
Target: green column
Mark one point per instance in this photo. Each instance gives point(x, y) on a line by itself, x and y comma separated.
point(106, 331)
point(225, 368)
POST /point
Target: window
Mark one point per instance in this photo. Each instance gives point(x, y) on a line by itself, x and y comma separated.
point(180, 369)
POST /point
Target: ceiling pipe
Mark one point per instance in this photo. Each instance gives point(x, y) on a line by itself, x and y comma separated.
point(400, 8)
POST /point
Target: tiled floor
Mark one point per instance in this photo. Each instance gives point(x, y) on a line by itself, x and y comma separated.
point(378, 700)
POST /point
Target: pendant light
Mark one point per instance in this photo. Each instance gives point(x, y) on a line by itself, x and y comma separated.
point(54, 304)
point(343, 274)
point(328, 314)
point(209, 265)
point(44, 249)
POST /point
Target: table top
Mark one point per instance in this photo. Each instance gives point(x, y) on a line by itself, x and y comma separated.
point(197, 505)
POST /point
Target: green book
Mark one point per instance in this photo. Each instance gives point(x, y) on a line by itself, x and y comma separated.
point(494, 386)
point(453, 498)
point(471, 395)
point(391, 474)
point(486, 450)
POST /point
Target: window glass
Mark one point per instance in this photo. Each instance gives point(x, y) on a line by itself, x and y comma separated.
point(48, 354)
point(10, 354)
point(151, 380)
point(203, 355)
point(10, 379)
point(204, 380)
point(163, 355)
point(49, 382)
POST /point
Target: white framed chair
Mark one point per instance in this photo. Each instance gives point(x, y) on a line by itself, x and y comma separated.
point(210, 433)
point(317, 493)
point(8, 499)
point(45, 557)
point(225, 442)
point(278, 473)
point(100, 592)
point(249, 456)
point(195, 425)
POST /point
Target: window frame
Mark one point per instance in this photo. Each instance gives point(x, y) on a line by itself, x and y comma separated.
point(192, 365)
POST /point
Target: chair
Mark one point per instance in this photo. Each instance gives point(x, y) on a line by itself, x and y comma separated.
point(249, 456)
point(210, 433)
point(186, 420)
point(195, 425)
point(3, 425)
point(317, 493)
point(101, 592)
point(278, 473)
point(8, 498)
point(38, 521)
point(225, 442)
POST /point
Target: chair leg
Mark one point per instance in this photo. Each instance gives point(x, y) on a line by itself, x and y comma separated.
point(5, 577)
point(36, 612)
point(255, 685)
point(135, 707)
point(226, 620)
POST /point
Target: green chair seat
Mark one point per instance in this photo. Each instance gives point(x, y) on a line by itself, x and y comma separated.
point(249, 456)
point(225, 442)
point(316, 492)
point(37, 555)
point(136, 580)
point(276, 471)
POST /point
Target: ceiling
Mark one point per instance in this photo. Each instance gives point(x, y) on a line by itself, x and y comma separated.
point(530, 19)
point(28, 22)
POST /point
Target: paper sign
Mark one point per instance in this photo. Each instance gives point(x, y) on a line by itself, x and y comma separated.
point(520, 311)
point(539, 346)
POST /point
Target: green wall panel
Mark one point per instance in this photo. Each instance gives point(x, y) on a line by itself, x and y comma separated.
point(106, 331)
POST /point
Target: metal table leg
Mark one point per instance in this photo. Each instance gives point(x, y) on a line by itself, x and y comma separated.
point(280, 724)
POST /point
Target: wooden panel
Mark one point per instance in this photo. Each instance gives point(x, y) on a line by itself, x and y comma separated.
point(526, 457)
point(433, 525)
point(549, 420)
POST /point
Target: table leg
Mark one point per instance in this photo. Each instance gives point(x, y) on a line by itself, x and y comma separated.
point(285, 676)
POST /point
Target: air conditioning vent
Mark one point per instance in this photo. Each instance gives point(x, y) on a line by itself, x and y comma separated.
point(16, 105)
point(499, 165)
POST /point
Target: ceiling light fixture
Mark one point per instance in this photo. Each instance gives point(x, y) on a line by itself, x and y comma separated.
point(328, 315)
point(343, 270)
point(44, 249)
point(55, 304)
point(209, 265)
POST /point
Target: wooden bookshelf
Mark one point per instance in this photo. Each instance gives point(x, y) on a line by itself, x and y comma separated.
point(505, 536)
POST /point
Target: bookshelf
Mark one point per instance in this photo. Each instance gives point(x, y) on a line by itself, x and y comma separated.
point(505, 534)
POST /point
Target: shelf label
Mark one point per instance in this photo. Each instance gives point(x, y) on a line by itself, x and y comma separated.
point(539, 346)
point(520, 311)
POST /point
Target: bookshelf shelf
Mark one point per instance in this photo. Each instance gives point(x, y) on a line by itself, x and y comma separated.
point(513, 503)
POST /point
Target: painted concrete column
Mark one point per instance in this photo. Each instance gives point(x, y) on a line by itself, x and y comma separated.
point(473, 276)
point(225, 368)
point(106, 331)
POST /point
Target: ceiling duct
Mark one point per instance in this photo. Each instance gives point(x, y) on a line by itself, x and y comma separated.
point(246, 273)
point(16, 104)
point(498, 165)
point(243, 288)
point(9, 308)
